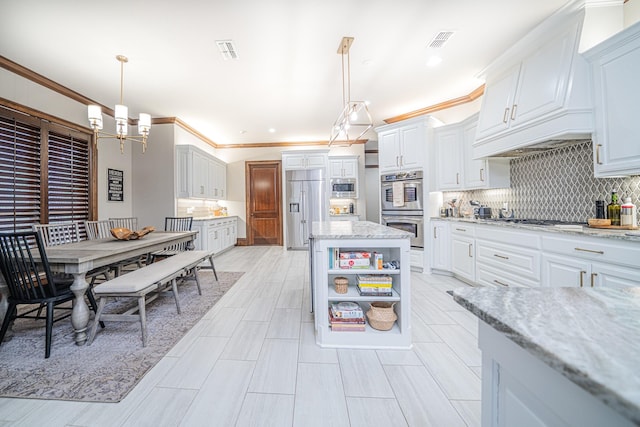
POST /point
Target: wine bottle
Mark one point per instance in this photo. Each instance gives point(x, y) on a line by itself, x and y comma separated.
point(613, 209)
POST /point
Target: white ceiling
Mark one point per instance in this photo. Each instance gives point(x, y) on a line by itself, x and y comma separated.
point(288, 76)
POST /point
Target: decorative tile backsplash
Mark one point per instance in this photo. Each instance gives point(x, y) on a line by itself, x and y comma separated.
point(556, 184)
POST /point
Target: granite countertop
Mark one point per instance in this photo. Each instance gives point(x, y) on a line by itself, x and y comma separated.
point(629, 235)
point(355, 230)
point(590, 336)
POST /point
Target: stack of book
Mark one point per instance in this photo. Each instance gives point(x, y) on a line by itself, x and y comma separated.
point(346, 316)
point(374, 285)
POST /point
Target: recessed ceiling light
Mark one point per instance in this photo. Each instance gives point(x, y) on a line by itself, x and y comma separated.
point(272, 130)
point(433, 61)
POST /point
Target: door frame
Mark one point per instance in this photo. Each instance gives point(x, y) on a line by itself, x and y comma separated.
point(247, 169)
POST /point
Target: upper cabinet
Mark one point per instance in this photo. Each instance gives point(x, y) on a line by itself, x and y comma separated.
point(199, 175)
point(402, 145)
point(455, 168)
point(538, 90)
point(292, 160)
point(343, 167)
point(615, 65)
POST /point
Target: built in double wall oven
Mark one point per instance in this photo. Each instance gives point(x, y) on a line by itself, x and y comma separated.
point(401, 202)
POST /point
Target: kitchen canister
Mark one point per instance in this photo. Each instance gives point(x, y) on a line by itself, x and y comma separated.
point(341, 284)
point(381, 315)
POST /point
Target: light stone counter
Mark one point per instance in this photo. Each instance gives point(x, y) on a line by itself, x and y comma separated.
point(590, 336)
point(355, 230)
point(629, 235)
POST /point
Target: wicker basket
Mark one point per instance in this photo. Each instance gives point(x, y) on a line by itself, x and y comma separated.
point(341, 284)
point(381, 315)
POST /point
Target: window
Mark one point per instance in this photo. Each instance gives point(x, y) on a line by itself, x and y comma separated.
point(45, 172)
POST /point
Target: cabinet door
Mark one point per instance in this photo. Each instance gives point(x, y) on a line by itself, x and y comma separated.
point(616, 89)
point(350, 168)
point(497, 102)
point(316, 161)
point(544, 78)
point(613, 276)
point(440, 251)
point(475, 171)
point(201, 241)
point(294, 161)
point(182, 172)
point(199, 175)
point(411, 147)
point(559, 271)
point(448, 148)
point(389, 151)
point(335, 169)
point(463, 257)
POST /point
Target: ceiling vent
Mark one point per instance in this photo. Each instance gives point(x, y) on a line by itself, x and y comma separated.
point(227, 49)
point(440, 39)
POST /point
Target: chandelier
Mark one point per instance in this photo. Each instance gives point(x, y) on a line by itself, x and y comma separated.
point(122, 117)
point(354, 117)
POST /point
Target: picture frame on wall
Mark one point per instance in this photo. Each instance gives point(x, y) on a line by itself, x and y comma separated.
point(115, 185)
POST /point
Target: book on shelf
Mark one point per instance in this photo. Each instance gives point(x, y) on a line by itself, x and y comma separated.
point(374, 280)
point(374, 292)
point(355, 255)
point(355, 263)
point(346, 309)
point(342, 320)
point(347, 327)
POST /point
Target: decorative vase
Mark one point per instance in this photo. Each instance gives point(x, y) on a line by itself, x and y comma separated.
point(381, 315)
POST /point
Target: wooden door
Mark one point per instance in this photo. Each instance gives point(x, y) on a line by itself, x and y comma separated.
point(264, 202)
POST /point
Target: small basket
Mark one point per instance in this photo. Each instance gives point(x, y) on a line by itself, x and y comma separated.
point(341, 284)
point(381, 315)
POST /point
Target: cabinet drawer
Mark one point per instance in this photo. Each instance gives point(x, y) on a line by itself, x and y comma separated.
point(497, 278)
point(519, 261)
point(462, 229)
point(509, 236)
point(605, 250)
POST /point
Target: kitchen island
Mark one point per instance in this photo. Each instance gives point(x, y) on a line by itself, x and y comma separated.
point(558, 356)
point(328, 241)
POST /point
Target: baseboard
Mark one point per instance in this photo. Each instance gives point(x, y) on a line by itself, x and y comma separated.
point(241, 242)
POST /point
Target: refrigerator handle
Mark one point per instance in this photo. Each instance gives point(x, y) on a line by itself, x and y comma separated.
point(303, 214)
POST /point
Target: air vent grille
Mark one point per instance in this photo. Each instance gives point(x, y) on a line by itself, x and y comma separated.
point(227, 49)
point(440, 39)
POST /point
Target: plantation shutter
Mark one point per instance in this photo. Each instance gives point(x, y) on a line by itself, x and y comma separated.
point(20, 184)
point(68, 177)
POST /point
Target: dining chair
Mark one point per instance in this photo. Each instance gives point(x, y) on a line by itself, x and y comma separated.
point(26, 271)
point(125, 222)
point(59, 233)
point(101, 230)
point(172, 223)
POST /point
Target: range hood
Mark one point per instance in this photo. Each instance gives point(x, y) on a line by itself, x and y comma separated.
point(538, 93)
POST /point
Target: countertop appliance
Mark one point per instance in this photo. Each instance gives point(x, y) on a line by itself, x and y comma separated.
point(402, 204)
point(306, 202)
point(344, 188)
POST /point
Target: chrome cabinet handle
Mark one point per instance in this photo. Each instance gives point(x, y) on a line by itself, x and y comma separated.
point(398, 161)
point(470, 245)
point(589, 250)
point(401, 160)
point(461, 229)
point(513, 111)
point(506, 115)
point(598, 154)
point(500, 283)
point(582, 273)
point(482, 174)
point(457, 177)
point(435, 236)
point(500, 256)
point(593, 276)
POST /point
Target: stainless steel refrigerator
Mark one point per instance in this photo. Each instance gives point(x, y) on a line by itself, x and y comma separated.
point(306, 202)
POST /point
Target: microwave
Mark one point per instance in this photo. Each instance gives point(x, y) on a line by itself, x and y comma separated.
point(344, 188)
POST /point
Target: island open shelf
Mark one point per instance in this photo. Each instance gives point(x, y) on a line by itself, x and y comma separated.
point(328, 240)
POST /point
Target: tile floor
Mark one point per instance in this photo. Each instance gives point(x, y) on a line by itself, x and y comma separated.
point(252, 361)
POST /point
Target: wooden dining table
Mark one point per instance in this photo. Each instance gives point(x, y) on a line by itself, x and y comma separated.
point(80, 257)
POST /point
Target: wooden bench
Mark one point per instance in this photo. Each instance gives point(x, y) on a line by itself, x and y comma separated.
point(138, 283)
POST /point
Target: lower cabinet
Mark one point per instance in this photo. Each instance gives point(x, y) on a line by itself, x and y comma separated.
point(440, 246)
point(463, 259)
point(216, 235)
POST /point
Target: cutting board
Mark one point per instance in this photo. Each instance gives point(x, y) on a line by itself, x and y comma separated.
point(614, 227)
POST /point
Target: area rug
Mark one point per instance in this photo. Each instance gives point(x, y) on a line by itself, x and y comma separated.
point(109, 368)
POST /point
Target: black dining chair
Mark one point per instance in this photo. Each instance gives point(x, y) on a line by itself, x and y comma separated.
point(172, 223)
point(26, 271)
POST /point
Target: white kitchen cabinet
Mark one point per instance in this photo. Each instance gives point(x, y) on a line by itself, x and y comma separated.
point(217, 234)
point(440, 246)
point(463, 261)
point(293, 160)
point(402, 145)
point(343, 167)
point(615, 66)
point(538, 90)
point(449, 164)
point(454, 166)
point(589, 262)
point(199, 175)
